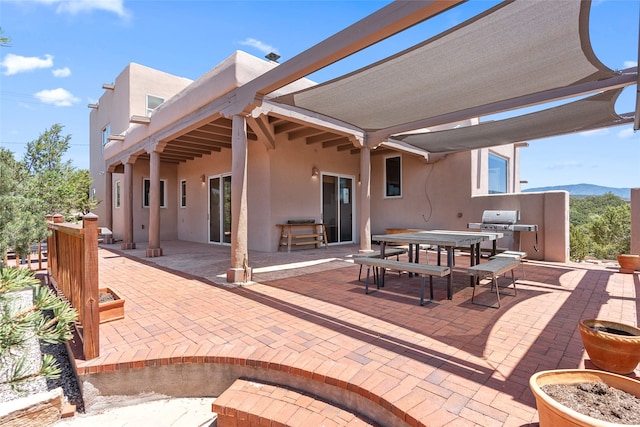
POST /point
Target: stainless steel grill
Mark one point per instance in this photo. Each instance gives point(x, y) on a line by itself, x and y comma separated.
point(506, 222)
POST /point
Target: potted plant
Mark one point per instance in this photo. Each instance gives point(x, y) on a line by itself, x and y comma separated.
point(612, 346)
point(628, 263)
point(111, 306)
point(552, 413)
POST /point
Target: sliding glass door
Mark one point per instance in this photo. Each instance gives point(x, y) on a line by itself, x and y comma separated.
point(220, 209)
point(338, 207)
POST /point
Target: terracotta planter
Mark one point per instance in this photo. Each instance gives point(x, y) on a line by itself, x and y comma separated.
point(553, 414)
point(111, 310)
point(628, 263)
point(611, 351)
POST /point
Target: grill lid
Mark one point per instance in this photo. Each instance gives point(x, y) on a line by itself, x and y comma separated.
point(500, 217)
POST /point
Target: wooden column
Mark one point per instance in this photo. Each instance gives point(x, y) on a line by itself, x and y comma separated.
point(90, 281)
point(108, 200)
point(365, 200)
point(154, 248)
point(239, 271)
point(127, 207)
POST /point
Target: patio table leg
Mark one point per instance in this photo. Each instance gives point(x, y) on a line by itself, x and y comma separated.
point(382, 273)
point(450, 255)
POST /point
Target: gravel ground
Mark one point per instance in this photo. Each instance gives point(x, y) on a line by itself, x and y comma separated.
point(33, 352)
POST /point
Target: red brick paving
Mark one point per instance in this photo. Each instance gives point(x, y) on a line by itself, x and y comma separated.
point(448, 363)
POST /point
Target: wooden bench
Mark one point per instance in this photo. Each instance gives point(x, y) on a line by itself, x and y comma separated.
point(396, 252)
point(250, 403)
point(302, 233)
point(422, 269)
point(492, 269)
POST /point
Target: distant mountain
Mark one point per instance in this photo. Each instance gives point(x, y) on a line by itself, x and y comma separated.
point(582, 190)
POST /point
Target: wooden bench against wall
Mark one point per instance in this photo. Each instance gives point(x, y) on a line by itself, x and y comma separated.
point(302, 233)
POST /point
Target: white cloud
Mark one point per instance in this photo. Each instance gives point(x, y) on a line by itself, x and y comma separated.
point(74, 7)
point(629, 64)
point(15, 64)
point(261, 46)
point(565, 165)
point(58, 97)
point(626, 133)
point(595, 132)
point(62, 72)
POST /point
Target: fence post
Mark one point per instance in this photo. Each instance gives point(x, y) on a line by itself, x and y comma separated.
point(91, 297)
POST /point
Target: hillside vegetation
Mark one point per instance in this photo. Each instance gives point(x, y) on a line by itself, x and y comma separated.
point(600, 227)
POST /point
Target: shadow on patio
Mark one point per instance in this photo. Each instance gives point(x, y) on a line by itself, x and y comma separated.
point(448, 361)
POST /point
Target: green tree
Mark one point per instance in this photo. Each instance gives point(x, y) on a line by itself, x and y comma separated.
point(20, 223)
point(56, 185)
point(584, 209)
point(4, 41)
point(39, 185)
point(611, 232)
point(580, 242)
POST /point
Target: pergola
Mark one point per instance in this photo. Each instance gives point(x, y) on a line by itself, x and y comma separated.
point(517, 54)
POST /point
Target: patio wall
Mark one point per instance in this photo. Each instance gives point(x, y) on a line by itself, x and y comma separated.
point(451, 193)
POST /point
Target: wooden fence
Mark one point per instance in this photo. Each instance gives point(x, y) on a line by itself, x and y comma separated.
point(73, 270)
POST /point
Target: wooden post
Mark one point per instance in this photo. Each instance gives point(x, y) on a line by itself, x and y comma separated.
point(91, 297)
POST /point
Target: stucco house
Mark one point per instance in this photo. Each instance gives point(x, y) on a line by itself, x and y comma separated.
point(400, 143)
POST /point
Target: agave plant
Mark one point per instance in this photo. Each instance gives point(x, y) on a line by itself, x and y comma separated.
point(48, 319)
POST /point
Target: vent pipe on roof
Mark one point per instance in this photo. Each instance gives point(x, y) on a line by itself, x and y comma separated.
point(273, 57)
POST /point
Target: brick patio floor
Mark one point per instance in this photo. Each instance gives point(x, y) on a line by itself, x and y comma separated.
point(448, 363)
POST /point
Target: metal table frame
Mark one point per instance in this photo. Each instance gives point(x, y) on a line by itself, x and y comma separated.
point(448, 239)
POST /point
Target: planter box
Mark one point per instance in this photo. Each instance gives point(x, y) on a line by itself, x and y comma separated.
point(111, 310)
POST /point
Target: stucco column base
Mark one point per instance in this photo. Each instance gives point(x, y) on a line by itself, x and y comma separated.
point(239, 275)
point(366, 251)
point(155, 252)
point(128, 245)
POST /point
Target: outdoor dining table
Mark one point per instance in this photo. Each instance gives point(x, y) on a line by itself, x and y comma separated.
point(448, 239)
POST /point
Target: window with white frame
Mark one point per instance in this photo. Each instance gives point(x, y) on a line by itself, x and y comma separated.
point(393, 176)
point(116, 191)
point(153, 102)
point(106, 131)
point(146, 187)
point(183, 193)
point(498, 174)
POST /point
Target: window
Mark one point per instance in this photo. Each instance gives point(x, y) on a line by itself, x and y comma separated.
point(183, 193)
point(498, 174)
point(393, 175)
point(153, 102)
point(116, 199)
point(106, 131)
point(146, 186)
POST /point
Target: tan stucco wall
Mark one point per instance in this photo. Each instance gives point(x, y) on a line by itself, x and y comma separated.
point(115, 108)
point(193, 222)
point(432, 193)
point(446, 193)
point(438, 196)
point(295, 194)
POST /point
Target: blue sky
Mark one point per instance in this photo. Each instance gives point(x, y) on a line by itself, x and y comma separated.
point(61, 52)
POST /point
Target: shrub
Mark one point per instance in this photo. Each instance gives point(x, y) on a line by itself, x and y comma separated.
point(48, 319)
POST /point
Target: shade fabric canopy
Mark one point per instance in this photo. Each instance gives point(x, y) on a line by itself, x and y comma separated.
point(514, 50)
point(586, 114)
